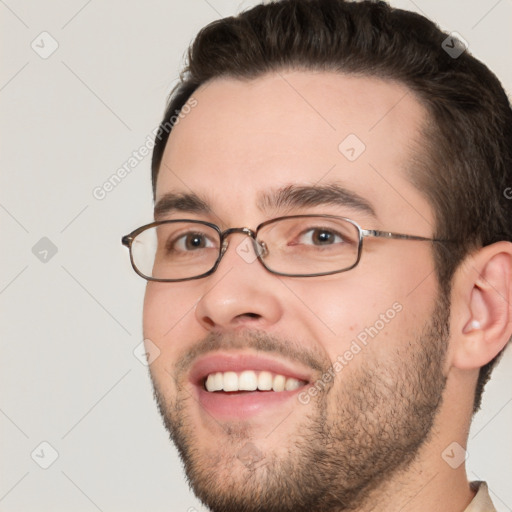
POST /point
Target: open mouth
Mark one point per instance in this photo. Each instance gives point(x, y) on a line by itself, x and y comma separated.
point(250, 380)
point(237, 385)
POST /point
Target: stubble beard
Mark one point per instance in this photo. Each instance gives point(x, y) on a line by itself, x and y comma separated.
point(354, 437)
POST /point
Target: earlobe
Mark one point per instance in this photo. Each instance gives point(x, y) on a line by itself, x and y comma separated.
point(485, 326)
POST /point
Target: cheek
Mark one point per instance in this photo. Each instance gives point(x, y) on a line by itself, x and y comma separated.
point(362, 306)
point(168, 318)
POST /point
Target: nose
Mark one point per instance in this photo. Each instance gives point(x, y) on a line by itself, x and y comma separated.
point(241, 293)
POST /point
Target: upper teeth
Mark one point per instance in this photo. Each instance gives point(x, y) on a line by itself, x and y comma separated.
point(249, 380)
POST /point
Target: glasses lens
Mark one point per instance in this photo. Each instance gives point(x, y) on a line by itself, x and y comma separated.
point(309, 245)
point(176, 250)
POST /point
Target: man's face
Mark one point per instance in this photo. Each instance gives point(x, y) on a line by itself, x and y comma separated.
point(330, 440)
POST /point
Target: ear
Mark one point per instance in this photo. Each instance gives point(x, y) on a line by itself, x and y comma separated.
point(481, 306)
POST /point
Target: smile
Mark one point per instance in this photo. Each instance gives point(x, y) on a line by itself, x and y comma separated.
point(250, 380)
point(239, 385)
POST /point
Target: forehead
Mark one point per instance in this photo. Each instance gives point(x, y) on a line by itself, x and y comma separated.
point(246, 137)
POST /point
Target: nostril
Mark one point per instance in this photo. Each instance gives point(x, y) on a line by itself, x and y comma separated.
point(208, 321)
point(248, 315)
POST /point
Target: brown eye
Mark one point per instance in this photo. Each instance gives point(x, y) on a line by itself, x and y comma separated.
point(319, 236)
point(194, 241)
point(189, 242)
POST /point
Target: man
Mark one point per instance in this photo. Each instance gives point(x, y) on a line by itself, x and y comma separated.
point(330, 266)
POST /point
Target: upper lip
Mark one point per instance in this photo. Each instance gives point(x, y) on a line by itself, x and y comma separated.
point(238, 362)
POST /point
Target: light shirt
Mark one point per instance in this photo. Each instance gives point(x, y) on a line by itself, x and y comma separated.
point(482, 501)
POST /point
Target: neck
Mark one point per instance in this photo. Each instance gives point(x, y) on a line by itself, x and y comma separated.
point(436, 479)
point(422, 488)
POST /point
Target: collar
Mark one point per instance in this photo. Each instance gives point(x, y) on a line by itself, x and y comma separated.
point(482, 501)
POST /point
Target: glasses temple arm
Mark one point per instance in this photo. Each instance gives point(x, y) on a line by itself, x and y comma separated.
point(397, 236)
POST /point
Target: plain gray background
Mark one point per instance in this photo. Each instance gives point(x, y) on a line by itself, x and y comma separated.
point(70, 303)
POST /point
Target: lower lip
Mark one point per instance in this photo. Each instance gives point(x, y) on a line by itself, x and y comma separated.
point(245, 404)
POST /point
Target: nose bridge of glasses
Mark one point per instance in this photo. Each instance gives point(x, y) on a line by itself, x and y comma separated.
point(245, 231)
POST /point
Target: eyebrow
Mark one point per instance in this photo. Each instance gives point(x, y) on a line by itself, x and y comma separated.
point(180, 202)
point(289, 197)
point(301, 196)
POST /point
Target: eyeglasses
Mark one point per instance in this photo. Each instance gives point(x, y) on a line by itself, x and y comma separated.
point(294, 246)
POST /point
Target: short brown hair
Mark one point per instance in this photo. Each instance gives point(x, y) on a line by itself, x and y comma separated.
point(467, 163)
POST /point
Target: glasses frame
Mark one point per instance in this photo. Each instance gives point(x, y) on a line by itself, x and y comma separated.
point(127, 241)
